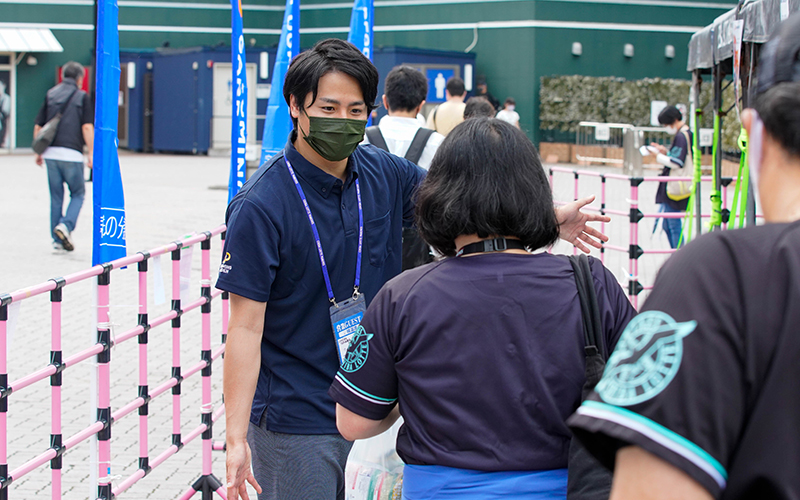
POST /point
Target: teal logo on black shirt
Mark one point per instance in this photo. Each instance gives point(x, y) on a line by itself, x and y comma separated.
point(645, 360)
point(358, 351)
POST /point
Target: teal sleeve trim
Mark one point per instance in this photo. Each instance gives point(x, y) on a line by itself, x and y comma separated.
point(658, 433)
point(352, 386)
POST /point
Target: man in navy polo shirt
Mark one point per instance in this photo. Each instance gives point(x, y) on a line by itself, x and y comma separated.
point(311, 238)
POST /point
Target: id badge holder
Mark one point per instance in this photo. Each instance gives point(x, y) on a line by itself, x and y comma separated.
point(345, 318)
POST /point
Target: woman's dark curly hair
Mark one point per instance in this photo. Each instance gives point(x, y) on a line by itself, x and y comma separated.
point(486, 179)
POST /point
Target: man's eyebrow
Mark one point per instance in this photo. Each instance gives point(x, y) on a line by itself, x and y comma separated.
point(334, 101)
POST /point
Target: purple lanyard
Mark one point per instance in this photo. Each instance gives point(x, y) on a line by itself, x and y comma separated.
point(319, 243)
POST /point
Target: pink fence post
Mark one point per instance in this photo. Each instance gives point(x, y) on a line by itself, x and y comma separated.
point(225, 309)
point(4, 479)
point(144, 322)
point(104, 385)
point(207, 484)
point(575, 197)
point(634, 251)
point(602, 212)
point(55, 387)
point(176, 346)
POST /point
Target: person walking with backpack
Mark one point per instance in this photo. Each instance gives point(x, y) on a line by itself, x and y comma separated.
point(401, 134)
point(64, 156)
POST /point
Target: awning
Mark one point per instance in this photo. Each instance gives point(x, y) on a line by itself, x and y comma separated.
point(714, 43)
point(29, 40)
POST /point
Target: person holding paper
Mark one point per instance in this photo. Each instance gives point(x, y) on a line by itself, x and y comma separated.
point(672, 119)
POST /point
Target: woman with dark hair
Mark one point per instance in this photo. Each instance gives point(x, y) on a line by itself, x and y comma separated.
point(482, 352)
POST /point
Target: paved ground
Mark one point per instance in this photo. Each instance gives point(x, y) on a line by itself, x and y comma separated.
point(167, 197)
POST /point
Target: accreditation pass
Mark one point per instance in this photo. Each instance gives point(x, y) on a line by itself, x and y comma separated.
point(345, 319)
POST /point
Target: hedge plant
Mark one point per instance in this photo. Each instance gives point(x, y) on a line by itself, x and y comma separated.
point(564, 101)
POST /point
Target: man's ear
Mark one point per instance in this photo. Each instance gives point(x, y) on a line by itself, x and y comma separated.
point(747, 120)
point(419, 108)
point(385, 102)
point(294, 109)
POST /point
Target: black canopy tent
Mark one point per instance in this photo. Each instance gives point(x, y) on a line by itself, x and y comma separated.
point(711, 51)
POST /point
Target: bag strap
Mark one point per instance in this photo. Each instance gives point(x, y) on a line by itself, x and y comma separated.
point(376, 137)
point(688, 160)
point(66, 103)
point(590, 308)
point(418, 145)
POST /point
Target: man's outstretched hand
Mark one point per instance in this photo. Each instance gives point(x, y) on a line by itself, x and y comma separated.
point(573, 227)
point(238, 473)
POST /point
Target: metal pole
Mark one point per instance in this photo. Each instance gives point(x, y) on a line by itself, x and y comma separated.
point(697, 112)
point(715, 215)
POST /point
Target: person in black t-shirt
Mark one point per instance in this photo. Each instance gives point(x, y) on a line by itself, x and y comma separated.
point(700, 400)
point(64, 158)
point(483, 352)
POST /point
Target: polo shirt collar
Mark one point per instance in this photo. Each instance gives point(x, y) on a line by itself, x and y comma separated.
point(321, 181)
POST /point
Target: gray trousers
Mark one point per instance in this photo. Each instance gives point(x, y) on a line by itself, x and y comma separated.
point(298, 466)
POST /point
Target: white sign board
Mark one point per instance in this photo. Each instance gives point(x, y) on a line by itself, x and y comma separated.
point(706, 137)
point(263, 90)
point(222, 105)
point(602, 133)
point(655, 109)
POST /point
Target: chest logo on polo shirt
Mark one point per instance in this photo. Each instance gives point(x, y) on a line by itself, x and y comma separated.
point(646, 359)
point(358, 351)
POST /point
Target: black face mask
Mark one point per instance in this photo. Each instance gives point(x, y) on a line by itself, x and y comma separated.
point(334, 138)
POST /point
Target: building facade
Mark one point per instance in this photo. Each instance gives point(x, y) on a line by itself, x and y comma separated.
point(515, 42)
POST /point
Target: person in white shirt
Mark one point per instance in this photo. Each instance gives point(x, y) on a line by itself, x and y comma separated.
point(507, 114)
point(404, 95)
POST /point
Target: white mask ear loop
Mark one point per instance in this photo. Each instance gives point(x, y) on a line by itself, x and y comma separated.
point(754, 141)
point(754, 152)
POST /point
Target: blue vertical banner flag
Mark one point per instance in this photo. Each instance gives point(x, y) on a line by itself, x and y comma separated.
point(108, 197)
point(239, 101)
point(362, 22)
point(278, 123)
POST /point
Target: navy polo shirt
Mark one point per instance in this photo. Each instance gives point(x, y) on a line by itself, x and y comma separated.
point(270, 256)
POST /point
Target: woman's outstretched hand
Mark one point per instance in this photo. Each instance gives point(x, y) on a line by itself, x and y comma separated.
point(573, 227)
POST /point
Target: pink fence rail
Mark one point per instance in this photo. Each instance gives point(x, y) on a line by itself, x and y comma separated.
point(633, 215)
point(207, 484)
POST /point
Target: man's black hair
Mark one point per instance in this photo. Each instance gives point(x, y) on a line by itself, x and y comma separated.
point(328, 56)
point(779, 109)
point(778, 101)
point(511, 101)
point(669, 115)
point(478, 106)
point(486, 179)
point(72, 70)
point(455, 86)
point(405, 88)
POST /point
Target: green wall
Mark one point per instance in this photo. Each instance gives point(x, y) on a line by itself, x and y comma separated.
point(512, 58)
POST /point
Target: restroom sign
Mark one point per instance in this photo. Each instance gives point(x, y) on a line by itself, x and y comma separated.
point(437, 82)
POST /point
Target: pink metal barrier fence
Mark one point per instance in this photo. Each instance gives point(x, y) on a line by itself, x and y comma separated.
point(634, 215)
point(207, 483)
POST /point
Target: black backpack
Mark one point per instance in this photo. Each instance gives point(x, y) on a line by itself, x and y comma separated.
point(415, 251)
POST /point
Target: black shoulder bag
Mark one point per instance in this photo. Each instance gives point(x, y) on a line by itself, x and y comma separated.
point(587, 478)
point(47, 134)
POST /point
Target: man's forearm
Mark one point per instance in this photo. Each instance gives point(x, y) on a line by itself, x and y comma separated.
point(88, 136)
point(242, 365)
point(36, 129)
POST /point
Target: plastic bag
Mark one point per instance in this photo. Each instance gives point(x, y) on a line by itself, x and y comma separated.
point(374, 471)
